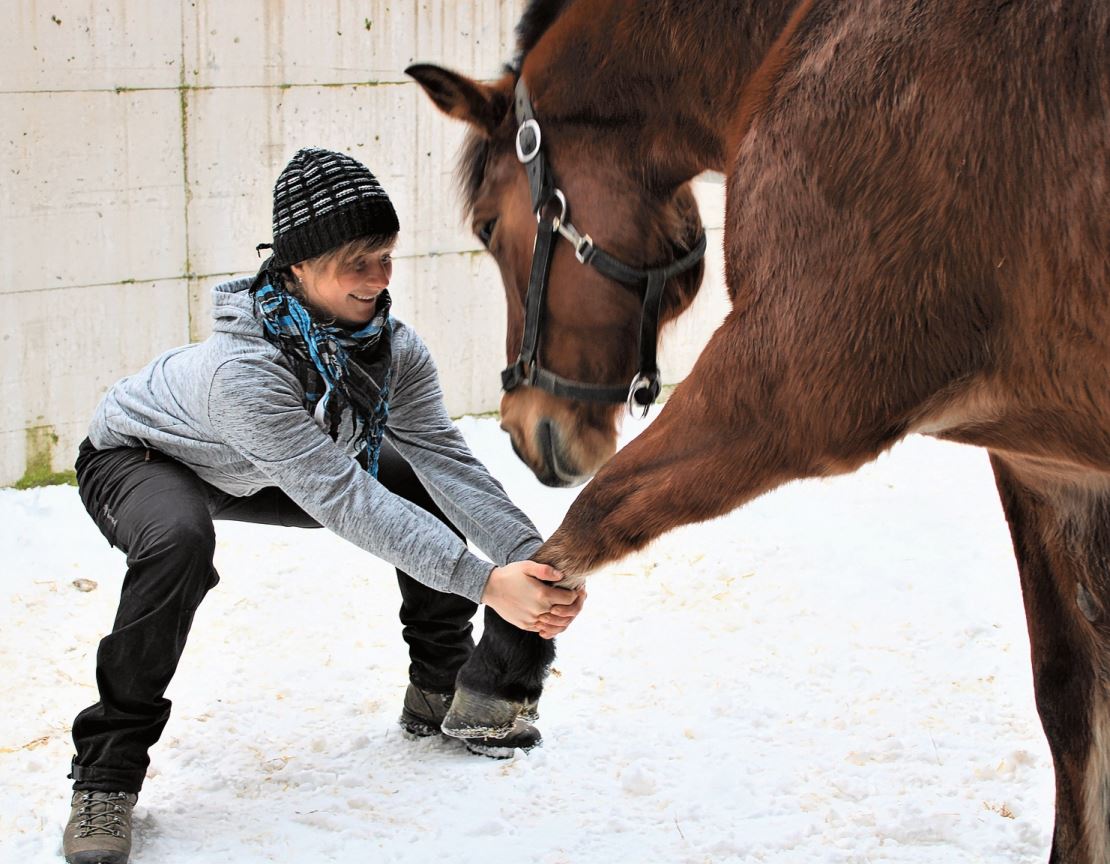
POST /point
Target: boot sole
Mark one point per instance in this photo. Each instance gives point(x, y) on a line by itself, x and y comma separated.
point(417, 728)
point(95, 857)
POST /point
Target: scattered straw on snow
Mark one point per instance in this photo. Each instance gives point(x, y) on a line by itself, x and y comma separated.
point(837, 674)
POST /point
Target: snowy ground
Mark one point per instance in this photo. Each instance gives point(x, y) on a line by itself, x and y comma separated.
point(838, 673)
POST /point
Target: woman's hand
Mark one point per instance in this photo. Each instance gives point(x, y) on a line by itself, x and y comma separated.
point(518, 594)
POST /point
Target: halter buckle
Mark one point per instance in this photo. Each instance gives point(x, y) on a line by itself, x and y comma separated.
point(513, 376)
point(583, 243)
point(527, 152)
point(643, 391)
point(584, 249)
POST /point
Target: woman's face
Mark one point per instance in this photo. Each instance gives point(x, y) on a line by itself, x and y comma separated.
point(347, 290)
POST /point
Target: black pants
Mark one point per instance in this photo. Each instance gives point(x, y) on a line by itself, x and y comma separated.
point(160, 514)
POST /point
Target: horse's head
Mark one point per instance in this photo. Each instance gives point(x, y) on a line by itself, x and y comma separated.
point(562, 403)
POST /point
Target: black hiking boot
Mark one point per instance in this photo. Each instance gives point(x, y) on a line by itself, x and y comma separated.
point(423, 713)
point(99, 828)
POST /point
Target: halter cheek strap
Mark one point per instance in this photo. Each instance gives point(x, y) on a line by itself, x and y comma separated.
point(645, 386)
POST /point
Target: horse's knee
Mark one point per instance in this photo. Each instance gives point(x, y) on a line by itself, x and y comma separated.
point(1064, 697)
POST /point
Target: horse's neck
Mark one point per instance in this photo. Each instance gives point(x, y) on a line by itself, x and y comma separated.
point(684, 73)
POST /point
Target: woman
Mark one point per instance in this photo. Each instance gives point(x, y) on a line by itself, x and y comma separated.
point(308, 405)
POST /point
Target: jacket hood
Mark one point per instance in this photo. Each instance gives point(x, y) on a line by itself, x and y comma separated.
point(233, 308)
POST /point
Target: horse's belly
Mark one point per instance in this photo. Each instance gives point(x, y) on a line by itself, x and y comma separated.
point(1065, 448)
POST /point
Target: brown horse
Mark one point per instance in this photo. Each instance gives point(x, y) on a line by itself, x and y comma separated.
point(917, 239)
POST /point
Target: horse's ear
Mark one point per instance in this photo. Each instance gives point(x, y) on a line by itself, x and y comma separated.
point(461, 97)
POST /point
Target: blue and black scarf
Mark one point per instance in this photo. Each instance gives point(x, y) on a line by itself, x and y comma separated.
point(338, 367)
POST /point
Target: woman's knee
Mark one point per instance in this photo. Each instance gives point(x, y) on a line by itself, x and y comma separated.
point(174, 555)
point(184, 535)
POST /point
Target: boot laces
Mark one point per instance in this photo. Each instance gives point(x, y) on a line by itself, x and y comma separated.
point(443, 700)
point(101, 812)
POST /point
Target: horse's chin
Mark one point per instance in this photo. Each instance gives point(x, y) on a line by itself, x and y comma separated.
point(558, 467)
point(560, 451)
point(549, 460)
point(556, 473)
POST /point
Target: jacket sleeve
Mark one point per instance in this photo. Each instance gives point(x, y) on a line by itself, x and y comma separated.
point(419, 426)
point(255, 406)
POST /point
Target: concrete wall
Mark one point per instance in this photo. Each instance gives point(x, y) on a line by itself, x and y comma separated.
point(138, 147)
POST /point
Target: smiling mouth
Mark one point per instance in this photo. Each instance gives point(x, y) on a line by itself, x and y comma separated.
point(365, 299)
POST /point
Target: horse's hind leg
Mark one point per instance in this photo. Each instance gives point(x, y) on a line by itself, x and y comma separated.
point(1061, 534)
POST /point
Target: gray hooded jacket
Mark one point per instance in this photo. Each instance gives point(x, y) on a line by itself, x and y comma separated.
point(233, 410)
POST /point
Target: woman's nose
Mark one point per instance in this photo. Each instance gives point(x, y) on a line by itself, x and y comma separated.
point(377, 275)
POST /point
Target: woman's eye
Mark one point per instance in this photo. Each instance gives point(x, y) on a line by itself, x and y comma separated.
point(485, 232)
point(387, 258)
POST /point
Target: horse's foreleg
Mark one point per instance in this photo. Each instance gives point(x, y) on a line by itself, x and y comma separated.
point(1061, 534)
point(698, 460)
point(688, 466)
point(507, 667)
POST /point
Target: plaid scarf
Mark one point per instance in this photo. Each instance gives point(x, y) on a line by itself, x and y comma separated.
point(337, 367)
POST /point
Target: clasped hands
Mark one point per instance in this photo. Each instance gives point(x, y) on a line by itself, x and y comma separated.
point(519, 593)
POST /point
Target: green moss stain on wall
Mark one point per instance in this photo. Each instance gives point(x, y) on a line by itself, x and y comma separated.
point(41, 442)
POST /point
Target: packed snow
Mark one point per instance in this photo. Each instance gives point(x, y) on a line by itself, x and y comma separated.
point(836, 674)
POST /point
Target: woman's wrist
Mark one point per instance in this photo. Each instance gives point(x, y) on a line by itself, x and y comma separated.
point(490, 589)
point(470, 577)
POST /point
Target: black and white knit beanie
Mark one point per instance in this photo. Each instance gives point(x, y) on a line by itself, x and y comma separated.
point(322, 199)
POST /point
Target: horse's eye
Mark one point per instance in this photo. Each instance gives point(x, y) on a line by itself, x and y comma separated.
point(485, 232)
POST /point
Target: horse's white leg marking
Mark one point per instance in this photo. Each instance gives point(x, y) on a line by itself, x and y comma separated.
point(572, 583)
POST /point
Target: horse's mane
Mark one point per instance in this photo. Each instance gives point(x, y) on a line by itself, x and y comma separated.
point(537, 18)
point(471, 168)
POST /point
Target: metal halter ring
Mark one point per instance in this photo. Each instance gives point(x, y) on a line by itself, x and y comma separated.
point(534, 152)
point(642, 384)
point(556, 221)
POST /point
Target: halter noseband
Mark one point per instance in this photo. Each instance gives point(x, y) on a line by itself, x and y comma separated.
point(645, 386)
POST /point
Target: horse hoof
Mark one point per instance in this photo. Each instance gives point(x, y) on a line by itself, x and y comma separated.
point(524, 737)
point(473, 715)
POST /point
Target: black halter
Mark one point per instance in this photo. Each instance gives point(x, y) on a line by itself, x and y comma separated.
point(645, 386)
